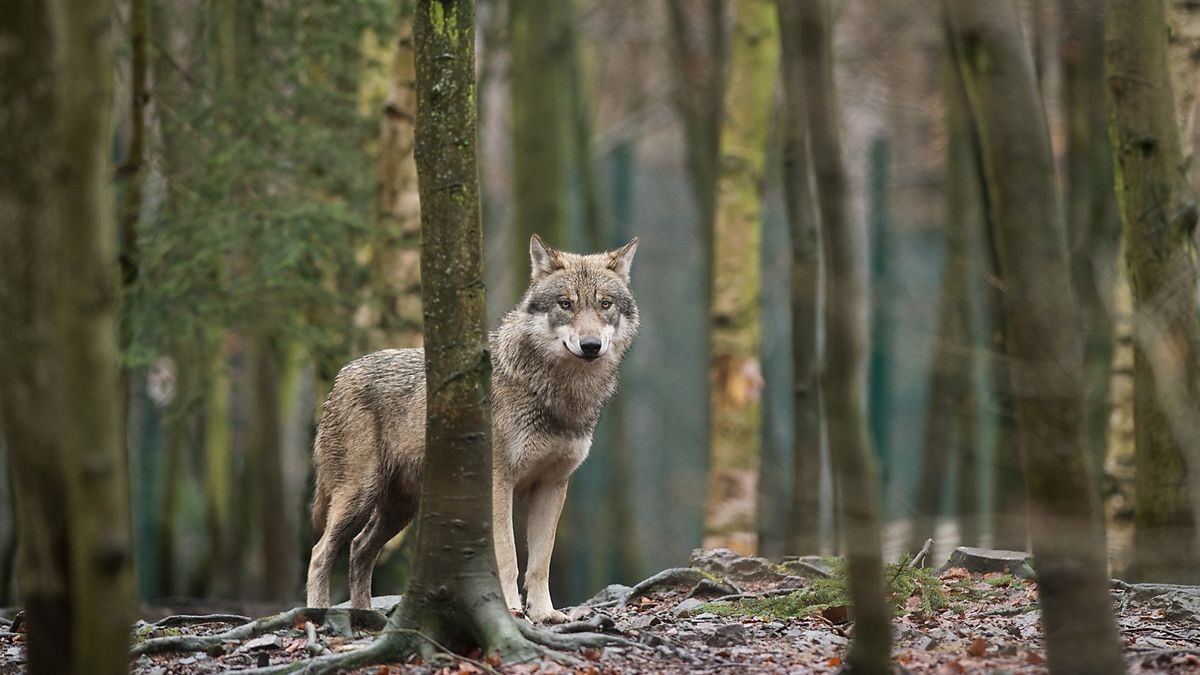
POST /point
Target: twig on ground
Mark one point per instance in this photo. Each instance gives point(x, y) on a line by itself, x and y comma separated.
point(599, 622)
point(676, 576)
point(773, 593)
point(1164, 631)
point(313, 644)
point(191, 619)
point(918, 560)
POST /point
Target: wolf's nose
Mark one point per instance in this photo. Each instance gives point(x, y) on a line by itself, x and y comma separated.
point(590, 345)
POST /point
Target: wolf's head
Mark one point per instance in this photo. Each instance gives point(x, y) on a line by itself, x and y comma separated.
point(579, 307)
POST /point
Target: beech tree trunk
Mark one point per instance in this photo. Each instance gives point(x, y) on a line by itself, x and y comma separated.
point(1159, 214)
point(1093, 227)
point(1044, 343)
point(843, 379)
point(30, 371)
point(804, 522)
point(540, 82)
point(734, 367)
point(395, 256)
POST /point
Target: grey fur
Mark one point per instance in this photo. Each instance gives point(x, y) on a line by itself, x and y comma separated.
point(547, 399)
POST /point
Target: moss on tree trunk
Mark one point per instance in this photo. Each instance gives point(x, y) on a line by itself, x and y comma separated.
point(1159, 215)
point(395, 256)
point(734, 368)
point(1044, 347)
point(29, 371)
point(86, 342)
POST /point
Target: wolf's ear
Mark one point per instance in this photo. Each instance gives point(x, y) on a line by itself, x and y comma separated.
point(545, 260)
point(621, 259)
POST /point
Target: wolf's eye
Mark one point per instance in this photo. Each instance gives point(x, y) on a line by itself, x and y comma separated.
point(565, 304)
point(605, 304)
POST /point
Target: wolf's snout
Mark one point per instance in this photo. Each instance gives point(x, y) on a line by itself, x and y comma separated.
point(590, 346)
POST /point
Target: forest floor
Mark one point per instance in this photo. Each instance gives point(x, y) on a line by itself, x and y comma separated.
point(728, 613)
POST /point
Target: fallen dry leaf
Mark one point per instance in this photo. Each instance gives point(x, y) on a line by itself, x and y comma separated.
point(977, 647)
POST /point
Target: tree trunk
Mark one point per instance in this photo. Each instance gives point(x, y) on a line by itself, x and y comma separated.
point(276, 522)
point(1159, 214)
point(1010, 504)
point(949, 420)
point(843, 378)
point(804, 522)
point(86, 342)
point(1183, 42)
point(453, 598)
point(734, 367)
point(219, 470)
point(131, 176)
point(1093, 227)
point(30, 371)
point(1044, 342)
point(698, 54)
point(396, 258)
point(539, 73)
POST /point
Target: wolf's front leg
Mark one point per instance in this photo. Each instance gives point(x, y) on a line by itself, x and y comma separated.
point(506, 547)
point(545, 506)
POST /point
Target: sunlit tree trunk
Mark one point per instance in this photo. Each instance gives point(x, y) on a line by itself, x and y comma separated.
point(395, 255)
point(30, 371)
point(1159, 215)
point(1183, 42)
point(734, 368)
point(843, 378)
point(1045, 351)
point(804, 523)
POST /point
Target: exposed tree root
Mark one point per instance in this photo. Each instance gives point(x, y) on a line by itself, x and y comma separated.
point(674, 576)
point(599, 622)
point(574, 640)
point(192, 619)
point(360, 618)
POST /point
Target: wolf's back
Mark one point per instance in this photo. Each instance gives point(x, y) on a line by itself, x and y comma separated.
point(373, 399)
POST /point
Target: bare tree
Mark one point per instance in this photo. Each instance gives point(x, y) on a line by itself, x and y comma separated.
point(843, 378)
point(1045, 353)
point(1159, 213)
point(803, 535)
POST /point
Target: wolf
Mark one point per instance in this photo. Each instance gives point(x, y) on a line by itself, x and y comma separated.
point(555, 360)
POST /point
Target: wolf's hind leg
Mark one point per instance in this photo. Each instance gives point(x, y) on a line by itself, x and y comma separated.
point(340, 524)
point(545, 507)
point(506, 547)
point(389, 517)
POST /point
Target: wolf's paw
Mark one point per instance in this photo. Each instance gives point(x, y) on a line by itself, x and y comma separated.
point(547, 615)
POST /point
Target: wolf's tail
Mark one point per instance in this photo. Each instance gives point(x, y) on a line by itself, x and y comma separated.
point(320, 506)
